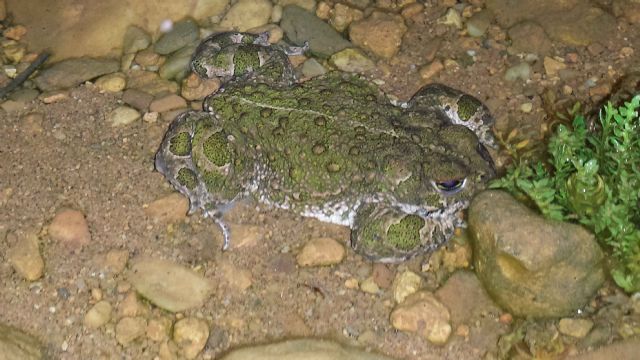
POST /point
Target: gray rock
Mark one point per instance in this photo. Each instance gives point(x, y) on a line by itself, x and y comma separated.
point(529, 37)
point(308, 349)
point(168, 285)
point(135, 39)
point(532, 266)
point(183, 33)
point(17, 345)
point(69, 73)
point(177, 64)
point(300, 25)
point(137, 99)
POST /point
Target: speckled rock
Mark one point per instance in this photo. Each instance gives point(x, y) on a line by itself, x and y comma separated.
point(112, 83)
point(98, 315)
point(181, 34)
point(247, 14)
point(351, 60)
point(168, 285)
point(17, 345)
point(422, 313)
point(308, 349)
point(300, 25)
point(69, 227)
point(321, 252)
point(69, 73)
point(532, 266)
point(25, 257)
point(190, 335)
point(405, 284)
point(381, 33)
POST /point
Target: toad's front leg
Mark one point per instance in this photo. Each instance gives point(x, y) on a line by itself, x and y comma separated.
point(384, 233)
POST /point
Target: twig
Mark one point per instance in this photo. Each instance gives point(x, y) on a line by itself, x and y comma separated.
point(18, 80)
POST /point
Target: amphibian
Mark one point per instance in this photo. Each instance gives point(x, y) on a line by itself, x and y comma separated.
point(332, 147)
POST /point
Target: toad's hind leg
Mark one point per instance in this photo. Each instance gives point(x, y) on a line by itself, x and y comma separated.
point(387, 234)
point(198, 160)
point(235, 55)
point(458, 107)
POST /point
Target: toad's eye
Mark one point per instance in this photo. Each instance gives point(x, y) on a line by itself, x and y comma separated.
point(449, 187)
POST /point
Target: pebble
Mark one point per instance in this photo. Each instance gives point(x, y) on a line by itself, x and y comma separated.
point(15, 32)
point(112, 83)
point(526, 107)
point(190, 335)
point(405, 284)
point(382, 275)
point(305, 348)
point(452, 18)
point(168, 351)
point(247, 14)
point(423, 313)
point(177, 64)
point(51, 97)
point(139, 100)
point(411, 10)
point(24, 256)
point(98, 315)
point(182, 34)
point(552, 66)
point(369, 286)
point(478, 24)
point(15, 344)
point(72, 72)
point(167, 102)
point(123, 115)
point(130, 306)
point(521, 71)
point(115, 261)
point(149, 59)
point(577, 328)
point(158, 328)
point(169, 209)
point(150, 117)
point(529, 37)
point(168, 285)
point(308, 5)
point(135, 39)
point(430, 70)
point(312, 68)
point(321, 252)
point(301, 26)
point(70, 227)
point(129, 329)
point(245, 235)
point(342, 16)
point(473, 306)
point(381, 33)
point(196, 88)
point(351, 60)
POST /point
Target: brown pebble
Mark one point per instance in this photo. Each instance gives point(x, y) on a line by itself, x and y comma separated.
point(506, 318)
point(70, 228)
point(167, 102)
point(382, 276)
point(169, 209)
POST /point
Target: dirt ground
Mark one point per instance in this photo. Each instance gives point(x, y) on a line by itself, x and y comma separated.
point(73, 158)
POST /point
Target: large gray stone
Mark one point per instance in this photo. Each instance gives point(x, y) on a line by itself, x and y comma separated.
point(300, 25)
point(72, 72)
point(530, 265)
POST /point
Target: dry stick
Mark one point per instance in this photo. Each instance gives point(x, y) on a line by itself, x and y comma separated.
point(24, 75)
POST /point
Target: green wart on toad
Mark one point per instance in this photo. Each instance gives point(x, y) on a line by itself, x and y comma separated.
point(332, 148)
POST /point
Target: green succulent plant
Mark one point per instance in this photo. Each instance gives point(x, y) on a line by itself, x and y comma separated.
point(592, 178)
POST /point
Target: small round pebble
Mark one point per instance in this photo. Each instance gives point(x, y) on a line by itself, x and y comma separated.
point(123, 115)
point(423, 313)
point(112, 83)
point(70, 228)
point(169, 209)
point(25, 257)
point(321, 252)
point(577, 328)
point(190, 334)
